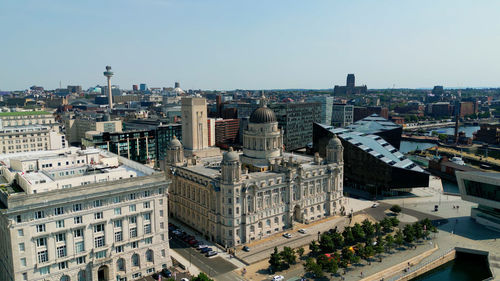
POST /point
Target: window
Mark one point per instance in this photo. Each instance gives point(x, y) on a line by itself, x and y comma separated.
point(162, 225)
point(63, 265)
point(40, 228)
point(61, 251)
point(150, 270)
point(117, 199)
point(25, 276)
point(146, 205)
point(77, 207)
point(135, 260)
point(80, 260)
point(18, 218)
point(132, 220)
point(120, 264)
point(78, 233)
point(79, 247)
point(100, 255)
point(78, 220)
point(45, 270)
point(131, 208)
point(43, 256)
point(147, 229)
point(117, 223)
point(39, 215)
point(136, 275)
point(131, 196)
point(134, 245)
point(149, 255)
point(163, 253)
point(148, 240)
point(23, 262)
point(97, 203)
point(99, 242)
point(118, 236)
point(98, 228)
point(59, 211)
point(161, 202)
point(161, 213)
point(60, 224)
point(147, 193)
point(60, 237)
point(21, 247)
point(133, 232)
point(40, 242)
point(147, 217)
point(118, 211)
point(119, 249)
point(98, 216)
point(20, 232)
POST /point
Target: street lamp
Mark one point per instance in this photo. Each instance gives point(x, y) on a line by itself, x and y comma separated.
point(319, 232)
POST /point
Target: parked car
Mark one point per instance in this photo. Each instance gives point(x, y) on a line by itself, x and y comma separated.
point(206, 250)
point(375, 205)
point(166, 272)
point(303, 231)
point(184, 279)
point(246, 249)
point(211, 254)
point(193, 242)
point(287, 235)
point(278, 278)
point(203, 246)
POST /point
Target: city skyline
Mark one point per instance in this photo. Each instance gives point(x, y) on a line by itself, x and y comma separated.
point(221, 45)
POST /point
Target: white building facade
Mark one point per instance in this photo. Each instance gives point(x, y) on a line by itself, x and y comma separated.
point(57, 223)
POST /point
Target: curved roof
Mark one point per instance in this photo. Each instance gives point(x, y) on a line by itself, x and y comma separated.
point(263, 115)
point(334, 142)
point(174, 142)
point(231, 156)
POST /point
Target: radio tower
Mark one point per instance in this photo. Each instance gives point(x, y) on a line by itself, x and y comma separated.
point(108, 73)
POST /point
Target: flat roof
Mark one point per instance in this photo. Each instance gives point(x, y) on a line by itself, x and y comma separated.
point(24, 113)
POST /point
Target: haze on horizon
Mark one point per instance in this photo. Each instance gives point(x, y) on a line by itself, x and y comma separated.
point(250, 44)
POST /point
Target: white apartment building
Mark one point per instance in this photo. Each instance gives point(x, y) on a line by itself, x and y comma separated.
point(343, 115)
point(83, 215)
point(29, 131)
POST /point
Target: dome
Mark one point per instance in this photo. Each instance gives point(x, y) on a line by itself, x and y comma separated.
point(174, 143)
point(263, 115)
point(231, 156)
point(334, 142)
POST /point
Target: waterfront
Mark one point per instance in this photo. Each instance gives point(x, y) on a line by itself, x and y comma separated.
point(469, 130)
point(468, 268)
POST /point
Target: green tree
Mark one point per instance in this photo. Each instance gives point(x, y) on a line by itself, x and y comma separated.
point(300, 251)
point(348, 236)
point(399, 238)
point(314, 248)
point(313, 267)
point(409, 233)
point(394, 221)
point(202, 277)
point(378, 228)
point(358, 233)
point(395, 209)
point(389, 241)
point(368, 228)
point(419, 230)
point(347, 254)
point(379, 248)
point(288, 255)
point(326, 243)
point(386, 225)
point(275, 260)
point(331, 266)
point(369, 252)
point(338, 240)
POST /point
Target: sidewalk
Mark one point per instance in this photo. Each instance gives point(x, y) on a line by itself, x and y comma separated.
point(193, 270)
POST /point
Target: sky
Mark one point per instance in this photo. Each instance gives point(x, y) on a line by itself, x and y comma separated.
point(236, 44)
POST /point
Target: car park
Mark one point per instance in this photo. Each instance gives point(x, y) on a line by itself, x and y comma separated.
point(193, 242)
point(287, 235)
point(246, 249)
point(211, 254)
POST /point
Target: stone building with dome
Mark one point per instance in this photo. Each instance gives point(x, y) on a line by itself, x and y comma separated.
point(244, 196)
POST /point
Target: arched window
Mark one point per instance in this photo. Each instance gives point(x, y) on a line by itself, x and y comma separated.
point(65, 278)
point(120, 265)
point(81, 275)
point(135, 260)
point(276, 220)
point(149, 255)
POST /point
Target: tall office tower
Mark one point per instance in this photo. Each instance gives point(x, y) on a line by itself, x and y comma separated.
point(177, 85)
point(143, 87)
point(326, 104)
point(81, 215)
point(195, 127)
point(108, 73)
point(350, 81)
point(135, 88)
point(342, 115)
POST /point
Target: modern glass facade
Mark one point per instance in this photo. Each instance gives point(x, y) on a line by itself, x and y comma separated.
point(482, 190)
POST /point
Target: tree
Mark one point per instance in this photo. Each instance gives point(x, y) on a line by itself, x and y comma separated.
point(275, 260)
point(347, 254)
point(377, 227)
point(389, 241)
point(369, 251)
point(331, 266)
point(326, 243)
point(395, 209)
point(300, 251)
point(314, 248)
point(348, 236)
point(338, 240)
point(368, 228)
point(394, 221)
point(313, 267)
point(202, 277)
point(379, 248)
point(409, 233)
point(419, 230)
point(399, 238)
point(358, 233)
point(386, 225)
point(288, 255)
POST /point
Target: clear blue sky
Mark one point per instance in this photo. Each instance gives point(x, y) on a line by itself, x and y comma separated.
point(253, 44)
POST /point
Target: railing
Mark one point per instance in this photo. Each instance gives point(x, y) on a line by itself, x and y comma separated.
point(419, 266)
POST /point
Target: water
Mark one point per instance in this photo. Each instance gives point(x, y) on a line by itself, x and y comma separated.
point(469, 130)
point(470, 268)
point(407, 146)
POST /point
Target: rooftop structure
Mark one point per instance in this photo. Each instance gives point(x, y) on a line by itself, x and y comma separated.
point(108, 73)
point(377, 125)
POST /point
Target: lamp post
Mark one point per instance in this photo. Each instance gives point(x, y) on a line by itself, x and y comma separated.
point(319, 233)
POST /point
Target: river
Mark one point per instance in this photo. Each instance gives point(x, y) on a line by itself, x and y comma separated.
point(407, 146)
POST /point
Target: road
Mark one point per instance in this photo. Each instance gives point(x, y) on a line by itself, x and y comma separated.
point(214, 266)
